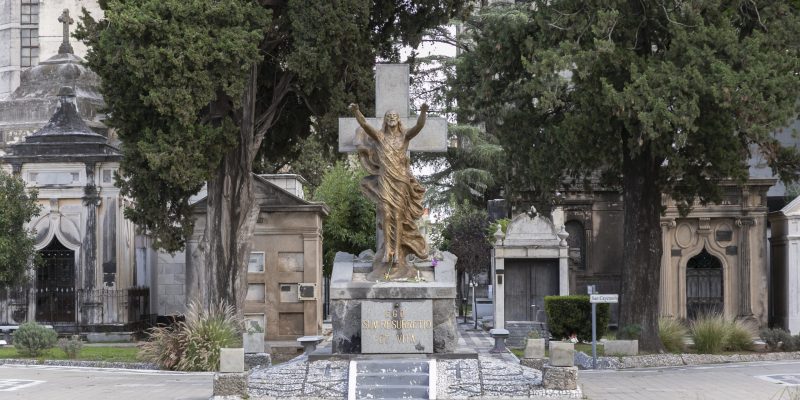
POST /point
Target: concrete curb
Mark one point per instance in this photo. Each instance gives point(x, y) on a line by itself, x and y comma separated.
point(78, 363)
point(679, 360)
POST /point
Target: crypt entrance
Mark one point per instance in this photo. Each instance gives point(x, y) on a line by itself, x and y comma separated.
point(55, 284)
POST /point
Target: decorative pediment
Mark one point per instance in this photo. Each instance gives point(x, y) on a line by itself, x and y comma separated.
point(272, 197)
point(531, 229)
point(792, 209)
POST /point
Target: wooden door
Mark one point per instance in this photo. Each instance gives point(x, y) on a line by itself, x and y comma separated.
point(527, 282)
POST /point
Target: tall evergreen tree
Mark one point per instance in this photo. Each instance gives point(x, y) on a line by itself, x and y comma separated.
point(200, 91)
point(17, 207)
point(659, 97)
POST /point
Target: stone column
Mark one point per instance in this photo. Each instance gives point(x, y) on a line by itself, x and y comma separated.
point(666, 284)
point(745, 311)
point(91, 200)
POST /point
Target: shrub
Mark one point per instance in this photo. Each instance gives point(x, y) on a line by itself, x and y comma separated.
point(71, 347)
point(710, 333)
point(630, 332)
point(740, 336)
point(774, 337)
point(207, 331)
point(791, 343)
point(671, 331)
point(193, 344)
point(32, 339)
point(573, 314)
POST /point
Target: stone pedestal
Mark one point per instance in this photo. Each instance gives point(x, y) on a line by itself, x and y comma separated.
point(393, 317)
point(230, 384)
point(560, 378)
point(562, 354)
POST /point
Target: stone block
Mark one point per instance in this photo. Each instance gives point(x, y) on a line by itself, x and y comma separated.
point(231, 360)
point(560, 378)
point(397, 326)
point(253, 342)
point(534, 348)
point(230, 384)
point(562, 354)
point(257, 360)
point(621, 347)
point(535, 363)
point(106, 337)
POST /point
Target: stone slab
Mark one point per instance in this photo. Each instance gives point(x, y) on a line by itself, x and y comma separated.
point(621, 347)
point(256, 360)
point(562, 354)
point(231, 360)
point(397, 327)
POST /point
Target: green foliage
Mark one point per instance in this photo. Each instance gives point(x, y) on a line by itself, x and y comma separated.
point(174, 78)
point(629, 332)
point(501, 223)
point(671, 331)
point(18, 206)
point(740, 336)
point(350, 226)
point(650, 97)
point(713, 333)
point(31, 339)
point(71, 347)
point(774, 337)
point(464, 235)
point(567, 315)
point(193, 344)
point(710, 333)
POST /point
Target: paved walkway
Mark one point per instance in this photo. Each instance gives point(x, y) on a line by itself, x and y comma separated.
point(739, 381)
point(480, 341)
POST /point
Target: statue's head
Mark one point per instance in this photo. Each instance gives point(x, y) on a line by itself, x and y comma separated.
point(391, 119)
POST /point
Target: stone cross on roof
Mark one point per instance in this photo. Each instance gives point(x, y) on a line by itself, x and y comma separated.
point(66, 21)
point(391, 93)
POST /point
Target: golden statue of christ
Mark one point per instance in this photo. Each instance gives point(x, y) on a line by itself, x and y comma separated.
point(396, 192)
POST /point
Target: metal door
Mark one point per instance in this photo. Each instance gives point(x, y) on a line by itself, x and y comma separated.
point(527, 282)
point(55, 284)
point(703, 285)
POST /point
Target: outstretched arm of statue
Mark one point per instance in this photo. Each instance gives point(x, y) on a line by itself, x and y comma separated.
point(363, 121)
point(414, 131)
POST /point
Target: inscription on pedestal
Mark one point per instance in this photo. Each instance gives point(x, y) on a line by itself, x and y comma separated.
point(397, 326)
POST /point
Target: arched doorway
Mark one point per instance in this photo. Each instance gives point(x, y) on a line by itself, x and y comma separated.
point(55, 284)
point(703, 285)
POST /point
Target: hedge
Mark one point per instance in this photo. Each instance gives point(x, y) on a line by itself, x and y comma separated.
point(573, 314)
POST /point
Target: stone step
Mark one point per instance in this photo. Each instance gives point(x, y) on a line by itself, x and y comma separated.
point(391, 392)
point(398, 378)
point(392, 366)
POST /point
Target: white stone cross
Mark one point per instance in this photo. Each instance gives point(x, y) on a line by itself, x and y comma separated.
point(391, 93)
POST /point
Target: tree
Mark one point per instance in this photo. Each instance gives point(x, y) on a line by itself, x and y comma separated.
point(465, 235)
point(201, 91)
point(350, 226)
point(659, 97)
point(17, 207)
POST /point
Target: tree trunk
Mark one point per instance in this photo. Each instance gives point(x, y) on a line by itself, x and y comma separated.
point(642, 249)
point(231, 215)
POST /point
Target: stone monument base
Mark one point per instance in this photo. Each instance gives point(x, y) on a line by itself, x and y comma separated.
point(414, 316)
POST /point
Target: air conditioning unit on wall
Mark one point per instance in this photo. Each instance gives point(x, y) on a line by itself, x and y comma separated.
point(307, 291)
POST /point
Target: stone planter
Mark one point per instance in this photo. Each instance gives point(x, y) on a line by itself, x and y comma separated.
point(253, 342)
point(562, 354)
point(621, 347)
point(534, 348)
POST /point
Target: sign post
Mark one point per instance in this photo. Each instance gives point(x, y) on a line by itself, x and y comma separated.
point(594, 299)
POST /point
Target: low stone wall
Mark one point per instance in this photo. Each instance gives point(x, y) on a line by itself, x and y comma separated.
point(518, 332)
point(78, 363)
point(584, 361)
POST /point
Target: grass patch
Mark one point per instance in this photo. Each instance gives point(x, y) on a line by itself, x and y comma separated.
point(584, 347)
point(94, 353)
